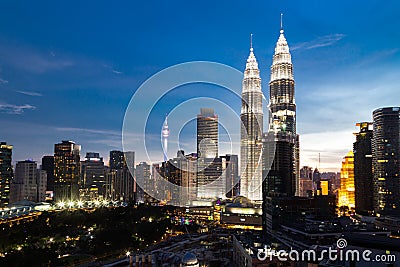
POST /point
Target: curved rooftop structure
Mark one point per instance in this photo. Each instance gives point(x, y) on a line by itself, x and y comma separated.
point(189, 259)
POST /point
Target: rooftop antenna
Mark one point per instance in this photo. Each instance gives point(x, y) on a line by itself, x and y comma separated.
point(281, 22)
point(319, 161)
point(251, 42)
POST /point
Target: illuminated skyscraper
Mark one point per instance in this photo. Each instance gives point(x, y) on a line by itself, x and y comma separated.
point(209, 169)
point(120, 182)
point(66, 170)
point(207, 133)
point(363, 177)
point(346, 192)
point(251, 116)
point(93, 175)
point(281, 142)
point(6, 173)
point(385, 160)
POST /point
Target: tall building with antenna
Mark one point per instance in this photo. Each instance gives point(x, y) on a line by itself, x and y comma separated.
point(251, 116)
point(281, 142)
point(165, 134)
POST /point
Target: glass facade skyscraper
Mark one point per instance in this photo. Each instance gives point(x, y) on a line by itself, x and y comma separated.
point(281, 142)
point(251, 116)
point(385, 160)
point(209, 168)
point(66, 170)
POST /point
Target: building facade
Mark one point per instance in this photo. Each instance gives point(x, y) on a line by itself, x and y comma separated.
point(29, 182)
point(363, 177)
point(120, 182)
point(66, 170)
point(281, 142)
point(346, 192)
point(48, 166)
point(385, 160)
point(278, 157)
point(93, 175)
point(230, 174)
point(209, 169)
point(6, 173)
point(251, 116)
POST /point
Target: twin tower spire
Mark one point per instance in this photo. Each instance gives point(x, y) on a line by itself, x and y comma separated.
point(281, 113)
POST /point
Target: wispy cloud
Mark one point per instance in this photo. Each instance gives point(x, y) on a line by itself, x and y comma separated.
point(2, 81)
point(31, 60)
point(88, 131)
point(113, 70)
point(15, 109)
point(30, 93)
point(116, 72)
point(377, 56)
point(322, 41)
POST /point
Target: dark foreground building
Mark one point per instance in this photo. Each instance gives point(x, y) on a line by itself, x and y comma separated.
point(363, 178)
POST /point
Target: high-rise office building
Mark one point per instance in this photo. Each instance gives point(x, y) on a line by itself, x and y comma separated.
point(363, 177)
point(93, 175)
point(209, 169)
point(278, 160)
point(66, 170)
point(143, 178)
point(207, 133)
point(306, 182)
point(251, 116)
point(385, 160)
point(230, 172)
point(281, 142)
point(48, 166)
point(346, 192)
point(280, 155)
point(120, 182)
point(6, 173)
point(117, 160)
point(29, 183)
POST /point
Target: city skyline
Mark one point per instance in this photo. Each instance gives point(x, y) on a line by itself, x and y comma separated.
point(72, 82)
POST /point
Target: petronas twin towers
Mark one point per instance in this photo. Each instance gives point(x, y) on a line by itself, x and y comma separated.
point(282, 123)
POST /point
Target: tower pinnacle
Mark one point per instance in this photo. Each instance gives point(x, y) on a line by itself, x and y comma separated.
point(281, 23)
point(251, 42)
point(165, 134)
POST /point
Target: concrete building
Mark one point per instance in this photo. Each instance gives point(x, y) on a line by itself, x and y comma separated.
point(29, 182)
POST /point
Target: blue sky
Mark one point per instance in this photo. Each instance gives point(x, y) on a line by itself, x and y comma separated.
point(68, 69)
